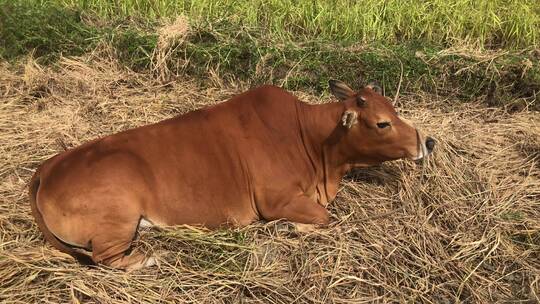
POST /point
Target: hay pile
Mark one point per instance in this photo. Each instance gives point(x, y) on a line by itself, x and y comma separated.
point(464, 226)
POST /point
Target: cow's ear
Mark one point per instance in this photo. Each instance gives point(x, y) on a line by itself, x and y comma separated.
point(340, 89)
point(349, 118)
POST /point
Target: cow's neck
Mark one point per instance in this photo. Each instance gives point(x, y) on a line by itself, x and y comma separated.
point(322, 130)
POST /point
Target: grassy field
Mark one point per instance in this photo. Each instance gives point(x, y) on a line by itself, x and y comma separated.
point(234, 49)
point(484, 23)
point(460, 228)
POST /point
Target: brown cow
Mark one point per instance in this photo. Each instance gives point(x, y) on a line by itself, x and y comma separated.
point(263, 154)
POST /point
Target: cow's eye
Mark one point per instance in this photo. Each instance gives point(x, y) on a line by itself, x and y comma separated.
point(382, 125)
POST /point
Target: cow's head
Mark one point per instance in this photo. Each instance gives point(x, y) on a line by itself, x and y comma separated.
point(374, 132)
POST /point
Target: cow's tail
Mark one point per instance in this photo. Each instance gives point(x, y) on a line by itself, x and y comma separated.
point(49, 236)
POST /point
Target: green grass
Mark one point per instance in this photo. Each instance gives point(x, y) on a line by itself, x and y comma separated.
point(308, 66)
point(236, 45)
point(492, 23)
point(44, 30)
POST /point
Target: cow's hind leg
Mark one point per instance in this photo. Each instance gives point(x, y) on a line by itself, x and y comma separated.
point(112, 247)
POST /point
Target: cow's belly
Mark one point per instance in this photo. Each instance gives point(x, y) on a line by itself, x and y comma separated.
point(210, 201)
point(236, 220)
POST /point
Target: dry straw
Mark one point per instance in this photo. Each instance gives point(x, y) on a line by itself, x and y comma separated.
point(461, 227)
point(170, 37)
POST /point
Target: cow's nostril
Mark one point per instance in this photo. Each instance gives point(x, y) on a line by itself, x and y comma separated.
point(430, 143)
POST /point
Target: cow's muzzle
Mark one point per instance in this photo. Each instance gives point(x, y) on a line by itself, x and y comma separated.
point(425, 146)
point(430, 144)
